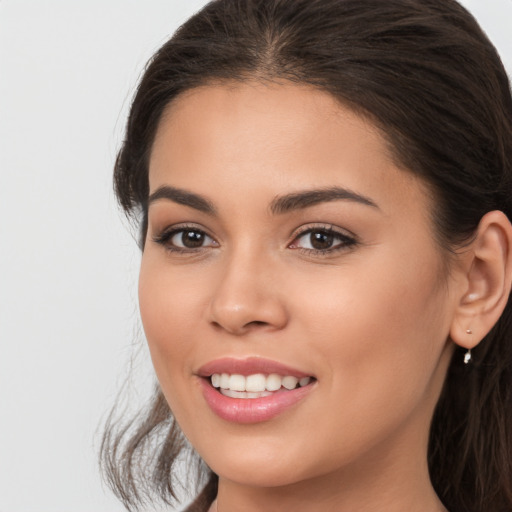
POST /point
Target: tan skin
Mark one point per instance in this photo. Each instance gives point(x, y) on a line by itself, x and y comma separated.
point(371, 313)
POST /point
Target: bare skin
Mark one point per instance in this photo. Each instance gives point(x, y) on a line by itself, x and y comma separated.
point(351, 290)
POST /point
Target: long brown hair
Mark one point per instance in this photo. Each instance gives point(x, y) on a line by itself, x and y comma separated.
point(426, 74)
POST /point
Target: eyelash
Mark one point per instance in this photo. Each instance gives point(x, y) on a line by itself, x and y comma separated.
point(345, 241)
point(166, 236)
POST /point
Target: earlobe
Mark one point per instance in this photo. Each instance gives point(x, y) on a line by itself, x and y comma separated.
point(488, 278)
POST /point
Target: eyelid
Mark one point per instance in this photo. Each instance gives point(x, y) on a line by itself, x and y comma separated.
point(329, 228)
point(347, 238)
point(163, 237)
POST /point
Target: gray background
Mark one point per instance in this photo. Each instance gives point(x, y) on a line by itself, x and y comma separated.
point(68, 309)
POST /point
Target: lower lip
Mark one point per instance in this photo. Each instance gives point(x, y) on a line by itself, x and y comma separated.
point(251, 410)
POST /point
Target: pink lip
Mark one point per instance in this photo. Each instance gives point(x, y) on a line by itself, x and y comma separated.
point(249, 366)
point(250, 410)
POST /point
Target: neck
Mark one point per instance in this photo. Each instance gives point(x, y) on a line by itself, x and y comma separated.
point(314, 496)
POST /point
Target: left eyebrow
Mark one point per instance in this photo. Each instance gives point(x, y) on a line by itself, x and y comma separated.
point(307, 198)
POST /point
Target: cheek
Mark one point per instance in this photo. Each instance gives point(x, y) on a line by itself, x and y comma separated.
point(382, 328)
point(169, 310)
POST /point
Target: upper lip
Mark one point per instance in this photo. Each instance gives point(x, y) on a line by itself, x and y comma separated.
point(248, 366)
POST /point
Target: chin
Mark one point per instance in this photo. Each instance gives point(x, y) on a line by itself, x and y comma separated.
point(259, 461)
point(257, 473)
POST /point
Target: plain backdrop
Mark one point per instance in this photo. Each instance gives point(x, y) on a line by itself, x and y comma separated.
point(68, 263)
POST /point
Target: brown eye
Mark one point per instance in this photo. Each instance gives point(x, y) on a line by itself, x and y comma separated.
point(189, 239)
point(322, 240)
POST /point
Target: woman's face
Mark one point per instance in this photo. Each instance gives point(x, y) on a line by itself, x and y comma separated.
point(284, 240)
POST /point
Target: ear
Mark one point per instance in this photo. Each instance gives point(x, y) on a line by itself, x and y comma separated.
point(486, 280)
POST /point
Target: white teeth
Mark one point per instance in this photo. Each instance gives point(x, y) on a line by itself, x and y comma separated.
point(256, 382)
point(290, 382)
point(244, 394)
point(274, 382)
point(237, 383)
point(304, 381)
point(224, 381)
point(256, 385)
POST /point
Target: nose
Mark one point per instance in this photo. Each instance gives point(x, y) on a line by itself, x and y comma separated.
point(247, 297)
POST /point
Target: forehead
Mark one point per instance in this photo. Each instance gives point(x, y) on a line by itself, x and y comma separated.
point(262, 113)
point(251, 135)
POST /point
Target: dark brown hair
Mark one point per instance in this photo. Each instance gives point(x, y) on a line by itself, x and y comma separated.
point(426, 74)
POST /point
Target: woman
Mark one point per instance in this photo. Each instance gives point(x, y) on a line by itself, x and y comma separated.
point(323, 190)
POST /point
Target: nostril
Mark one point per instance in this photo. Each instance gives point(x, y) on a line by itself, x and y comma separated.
point(242, 328)
point(246, 313)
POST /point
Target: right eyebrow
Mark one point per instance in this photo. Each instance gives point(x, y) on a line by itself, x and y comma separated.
point(180, 196)
point(307, 198)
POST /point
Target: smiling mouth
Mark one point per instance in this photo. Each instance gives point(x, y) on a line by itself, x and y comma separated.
point(257, 385)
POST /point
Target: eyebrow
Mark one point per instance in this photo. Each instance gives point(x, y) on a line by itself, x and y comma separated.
point(301, 200)
point(278, 206)
point(180, 196)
